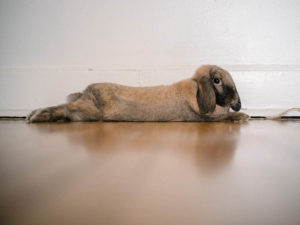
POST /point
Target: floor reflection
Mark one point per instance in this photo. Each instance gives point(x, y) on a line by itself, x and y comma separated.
point(210, 145)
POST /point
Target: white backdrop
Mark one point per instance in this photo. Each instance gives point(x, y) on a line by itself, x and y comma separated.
point(49, 48)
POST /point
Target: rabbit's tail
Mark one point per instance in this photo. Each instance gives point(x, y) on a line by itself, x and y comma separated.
point(73, 97)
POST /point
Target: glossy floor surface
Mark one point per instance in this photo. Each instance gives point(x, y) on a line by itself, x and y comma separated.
point(150, 173)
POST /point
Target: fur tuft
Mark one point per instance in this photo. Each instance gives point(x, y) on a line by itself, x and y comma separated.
point(73, 97)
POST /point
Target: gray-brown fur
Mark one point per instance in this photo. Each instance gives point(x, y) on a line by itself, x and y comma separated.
point(194, 99)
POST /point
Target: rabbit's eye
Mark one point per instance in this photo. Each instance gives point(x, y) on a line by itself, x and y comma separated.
point(217, 81)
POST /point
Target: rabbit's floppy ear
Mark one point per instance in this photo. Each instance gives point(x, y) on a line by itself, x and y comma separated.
point(206, 97)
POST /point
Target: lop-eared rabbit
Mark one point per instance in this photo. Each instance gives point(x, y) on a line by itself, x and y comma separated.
point(207, 96)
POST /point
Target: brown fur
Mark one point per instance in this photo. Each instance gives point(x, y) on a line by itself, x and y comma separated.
point(194, 99)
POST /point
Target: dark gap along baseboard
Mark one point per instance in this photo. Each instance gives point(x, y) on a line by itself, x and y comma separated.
point(251, 117)
point(12, 117)
point(282, 117)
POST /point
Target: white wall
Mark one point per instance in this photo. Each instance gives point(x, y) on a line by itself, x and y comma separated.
point(49, 48)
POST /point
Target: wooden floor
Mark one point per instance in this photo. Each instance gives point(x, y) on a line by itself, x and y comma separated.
point(150, 173)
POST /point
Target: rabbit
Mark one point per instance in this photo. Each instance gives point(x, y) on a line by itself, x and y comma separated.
point(207, 96)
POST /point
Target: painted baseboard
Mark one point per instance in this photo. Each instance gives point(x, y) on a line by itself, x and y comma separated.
point(264, 89)
point(14, 113)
